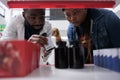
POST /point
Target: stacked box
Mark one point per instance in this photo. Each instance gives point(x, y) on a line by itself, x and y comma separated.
point(119, 60)
point(104, 58)
point(96, 57)
point(101, 58)
point(114, 59)
point(108, 58)
point(18, 58)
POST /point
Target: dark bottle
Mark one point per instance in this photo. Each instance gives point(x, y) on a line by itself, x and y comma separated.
point(61, 55)
point(76, 55)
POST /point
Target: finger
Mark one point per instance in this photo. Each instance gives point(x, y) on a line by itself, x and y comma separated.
point(35, 36)
point(43, 41)
point(38, 39)
point(32, 38)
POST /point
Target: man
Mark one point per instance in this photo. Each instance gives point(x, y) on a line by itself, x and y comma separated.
point(31, 26)
point(95, 28)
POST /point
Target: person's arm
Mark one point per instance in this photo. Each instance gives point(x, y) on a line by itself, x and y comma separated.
point(70, 34)
point(47, 49)
point(50, 46)
point(49, 35)
point(113, 27)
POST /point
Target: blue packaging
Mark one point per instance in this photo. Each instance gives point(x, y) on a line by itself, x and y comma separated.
point(101, 58)
point(105, 52)
point(114, 61)
point(96, 57)
point(108, 59)
point(119, 59)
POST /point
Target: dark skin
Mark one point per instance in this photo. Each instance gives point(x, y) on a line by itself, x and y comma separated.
point(77, 17)
point(36, 19)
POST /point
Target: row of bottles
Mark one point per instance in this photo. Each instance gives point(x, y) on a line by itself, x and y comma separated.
point(69, 57)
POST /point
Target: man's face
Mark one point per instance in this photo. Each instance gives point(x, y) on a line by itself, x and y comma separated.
point(75, 16)
point(35, 17)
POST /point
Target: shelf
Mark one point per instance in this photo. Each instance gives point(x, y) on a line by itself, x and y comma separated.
point(61, 3)
point(90, 72)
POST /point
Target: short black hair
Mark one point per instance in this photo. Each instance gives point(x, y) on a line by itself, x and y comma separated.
point(25, 10)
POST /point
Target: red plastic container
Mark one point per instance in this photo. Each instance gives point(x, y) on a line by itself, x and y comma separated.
point(18, 58)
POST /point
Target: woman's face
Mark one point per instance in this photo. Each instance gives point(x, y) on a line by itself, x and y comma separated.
point(75, 16)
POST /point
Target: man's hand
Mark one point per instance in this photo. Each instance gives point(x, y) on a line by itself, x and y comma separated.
point(38, 39)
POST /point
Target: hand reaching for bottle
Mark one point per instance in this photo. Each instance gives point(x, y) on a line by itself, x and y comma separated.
point(38, 39)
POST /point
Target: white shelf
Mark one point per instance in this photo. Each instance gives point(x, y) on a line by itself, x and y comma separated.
point(90, 72)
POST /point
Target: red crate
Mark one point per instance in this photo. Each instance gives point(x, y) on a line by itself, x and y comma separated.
point(18, 58)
